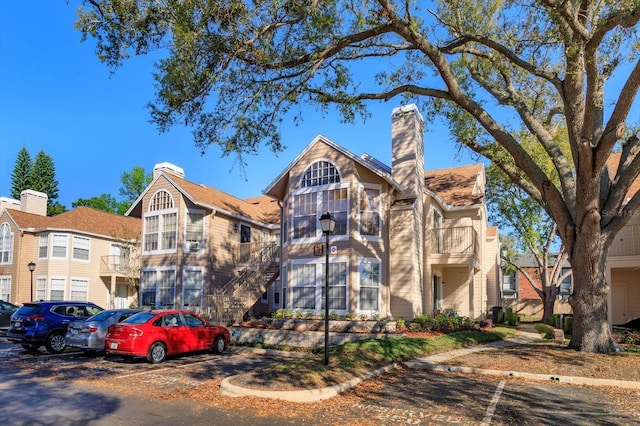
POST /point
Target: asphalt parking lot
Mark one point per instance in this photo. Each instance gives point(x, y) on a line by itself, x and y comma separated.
point(70, 388)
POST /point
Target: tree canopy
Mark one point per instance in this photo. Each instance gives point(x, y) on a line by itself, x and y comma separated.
point(233, 70)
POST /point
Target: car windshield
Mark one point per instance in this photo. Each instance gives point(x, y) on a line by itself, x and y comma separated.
point(101, 316)
point(139, 318)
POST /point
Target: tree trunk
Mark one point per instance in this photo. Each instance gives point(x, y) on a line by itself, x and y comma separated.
point(548, 302)
point(589, 301)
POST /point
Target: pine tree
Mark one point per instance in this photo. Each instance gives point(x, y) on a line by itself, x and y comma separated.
point(43, 179)
point(21, 176)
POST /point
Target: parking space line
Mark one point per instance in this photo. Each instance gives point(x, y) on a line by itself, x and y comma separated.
point(492, 405)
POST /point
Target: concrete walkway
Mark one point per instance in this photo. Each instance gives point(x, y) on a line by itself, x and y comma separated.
point(526, 333)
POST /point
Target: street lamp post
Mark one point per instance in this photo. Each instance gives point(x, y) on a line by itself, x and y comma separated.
point(32, 267)
point(328, 223)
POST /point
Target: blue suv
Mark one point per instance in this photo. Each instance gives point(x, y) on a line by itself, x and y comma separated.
point(45, 323)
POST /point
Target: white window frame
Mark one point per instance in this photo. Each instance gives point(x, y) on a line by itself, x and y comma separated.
point(161, 216)
point(371, 261)
point(158, 272)
point(320, 209)
point(5, 287)
point(41, 287)
point(79, 285)
point(57, 284)
point(43, 245)
point(438, 228)
point(194, 246)
point(188, 286)
point(80, 243)
point(54, 244)
point(319, 283)
point(6, 244)
point(361, 190)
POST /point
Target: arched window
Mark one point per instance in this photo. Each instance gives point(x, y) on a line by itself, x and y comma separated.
point(320, 192)
point(161, 224)
point(161, 200)
point(6, 243)
point(320, 173)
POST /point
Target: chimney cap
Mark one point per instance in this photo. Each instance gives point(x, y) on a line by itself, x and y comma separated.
point(404, 109)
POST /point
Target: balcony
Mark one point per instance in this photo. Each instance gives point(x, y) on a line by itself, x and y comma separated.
point(454, 245)
point(627, 242)
point(115, 265)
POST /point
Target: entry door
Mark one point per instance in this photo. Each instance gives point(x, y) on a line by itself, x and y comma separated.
point(619, 303)
point(245, 243)
point(122, 296)
point(437, 292)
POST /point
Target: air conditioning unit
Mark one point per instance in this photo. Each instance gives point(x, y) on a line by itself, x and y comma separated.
point(194, 247)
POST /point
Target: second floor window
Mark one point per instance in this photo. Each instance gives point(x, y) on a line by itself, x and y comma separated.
point(43, 246)
point(194, 234)
point(6, 243)
point(161, 224)
point(320, 191)
point(370, 212)
point(80, 248)
point(59, 249)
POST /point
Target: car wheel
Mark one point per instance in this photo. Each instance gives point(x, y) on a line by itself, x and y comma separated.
point(157, 353)
point(55, 343)
point(219, 345)
point(31, 347)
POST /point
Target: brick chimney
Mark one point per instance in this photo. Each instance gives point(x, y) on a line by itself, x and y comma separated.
point(33, 202)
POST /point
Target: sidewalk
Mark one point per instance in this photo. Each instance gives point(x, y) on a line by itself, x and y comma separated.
point(526, 333)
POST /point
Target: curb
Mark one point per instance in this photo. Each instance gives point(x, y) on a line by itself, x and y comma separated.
point(425, 365)
point(311, 395)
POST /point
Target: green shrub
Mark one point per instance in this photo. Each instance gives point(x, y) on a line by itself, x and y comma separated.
point(349, 316)
point(334, 316)
point(401, 324)
point(442, 322)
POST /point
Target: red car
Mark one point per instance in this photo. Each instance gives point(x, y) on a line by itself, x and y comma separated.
point(157, 334)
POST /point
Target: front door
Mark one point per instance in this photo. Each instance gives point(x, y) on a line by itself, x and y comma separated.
point(122, 296)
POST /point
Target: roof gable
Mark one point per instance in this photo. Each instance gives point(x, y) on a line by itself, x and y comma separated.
point(366, 161)
point(460, 186)
point(261, 209)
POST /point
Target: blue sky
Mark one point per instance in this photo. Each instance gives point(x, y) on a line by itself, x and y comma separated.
point(56, 96)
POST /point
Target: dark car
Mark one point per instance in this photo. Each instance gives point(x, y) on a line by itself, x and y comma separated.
point(157, 334)
point(45, 323)
point(88, 335)
point(6, 310)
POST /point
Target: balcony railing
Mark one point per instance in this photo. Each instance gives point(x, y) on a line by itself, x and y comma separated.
point(114, 264)
point(627, 242)
point(455, 240)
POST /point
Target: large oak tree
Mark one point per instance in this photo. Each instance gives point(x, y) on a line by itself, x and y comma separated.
point(233, 70)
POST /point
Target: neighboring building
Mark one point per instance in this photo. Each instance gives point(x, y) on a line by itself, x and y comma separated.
point(198, 241)
point(623, 262)
point(83, 254)
point(406, 242)
point(520, 295)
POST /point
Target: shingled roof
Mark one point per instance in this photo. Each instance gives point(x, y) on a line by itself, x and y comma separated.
point(613, 162)
point(456, 186)
point(81, 219)
point(261, 208)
